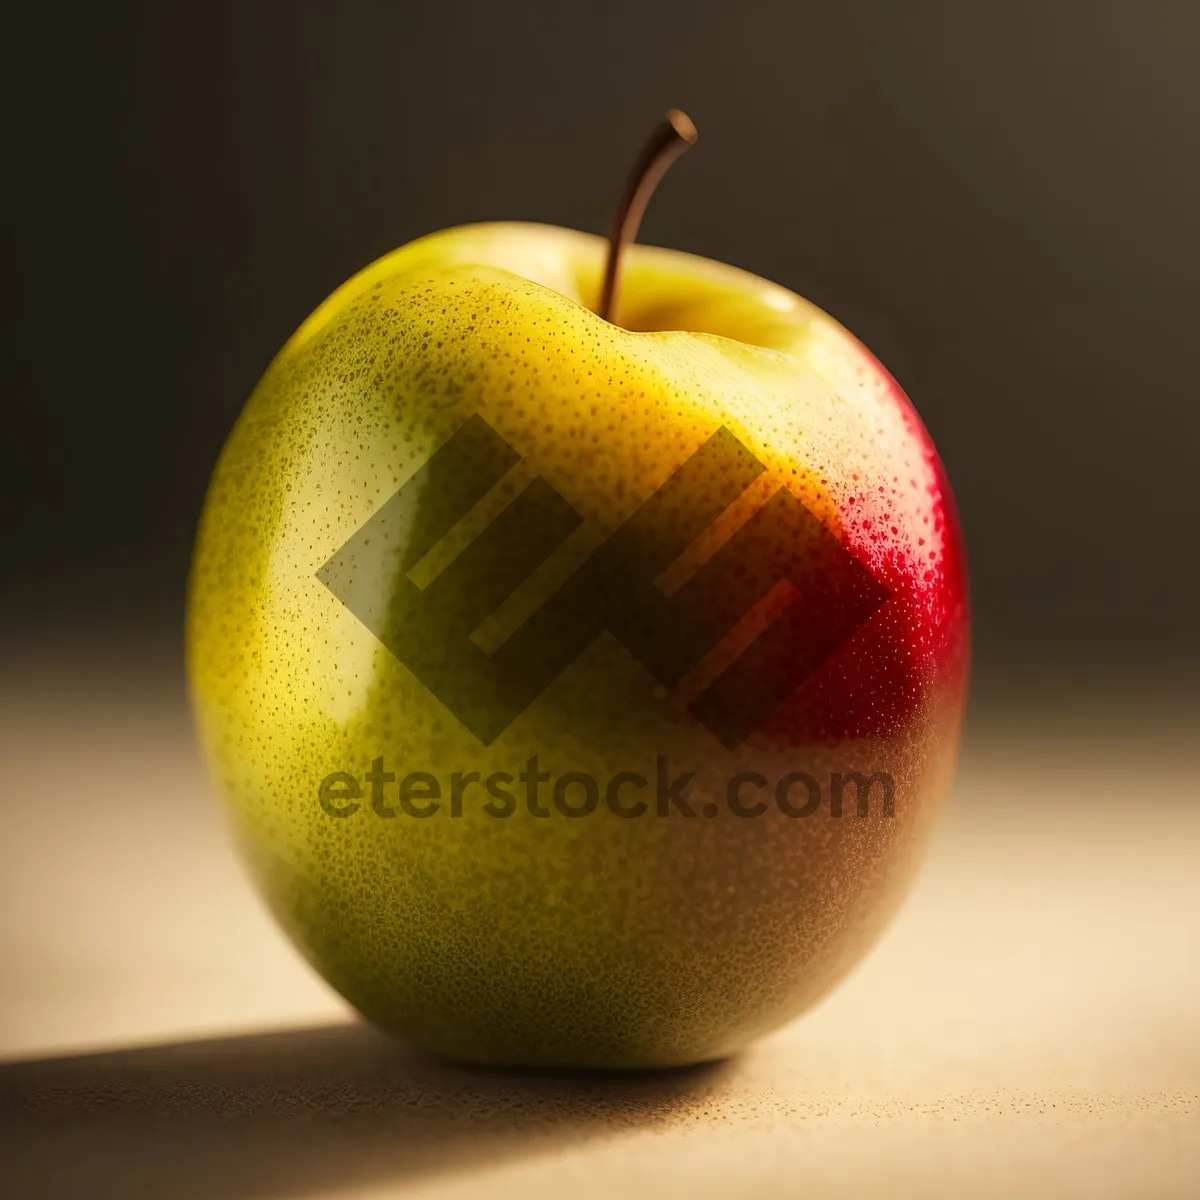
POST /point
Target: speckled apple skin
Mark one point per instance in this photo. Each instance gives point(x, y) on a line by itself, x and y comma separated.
point(597, 942)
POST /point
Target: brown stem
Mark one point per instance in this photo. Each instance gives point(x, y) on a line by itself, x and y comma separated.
point(666, 144)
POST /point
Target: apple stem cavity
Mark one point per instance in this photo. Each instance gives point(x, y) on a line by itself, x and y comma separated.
point(672, 137)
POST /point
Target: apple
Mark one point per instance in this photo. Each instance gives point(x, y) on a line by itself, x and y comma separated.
point(582, 664)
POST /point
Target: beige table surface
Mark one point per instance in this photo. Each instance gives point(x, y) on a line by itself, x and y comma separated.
point(1030, 1025)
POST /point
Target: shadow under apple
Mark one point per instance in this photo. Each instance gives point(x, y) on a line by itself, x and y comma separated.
point(274, 1114)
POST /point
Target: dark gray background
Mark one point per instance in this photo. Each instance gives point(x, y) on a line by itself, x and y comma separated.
point(1000, 198)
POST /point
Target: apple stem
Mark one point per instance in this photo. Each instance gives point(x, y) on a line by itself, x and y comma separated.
point(672, 137)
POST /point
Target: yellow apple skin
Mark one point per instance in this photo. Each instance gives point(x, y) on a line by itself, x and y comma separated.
point(603, 942)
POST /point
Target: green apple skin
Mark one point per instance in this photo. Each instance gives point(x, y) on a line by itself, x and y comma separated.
point(603, 942)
